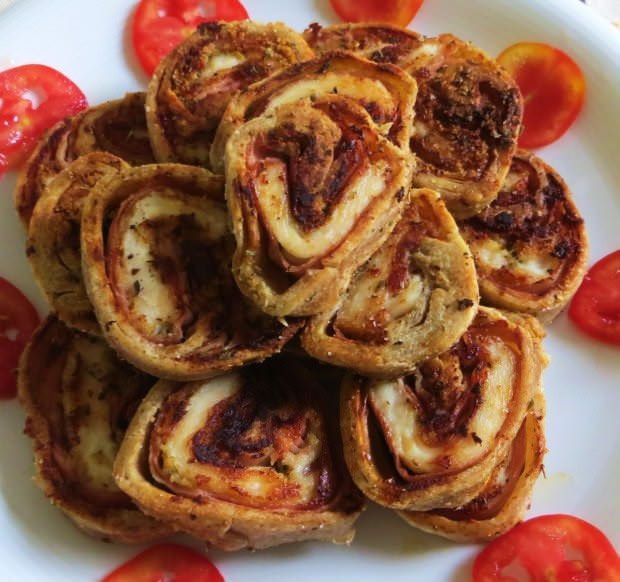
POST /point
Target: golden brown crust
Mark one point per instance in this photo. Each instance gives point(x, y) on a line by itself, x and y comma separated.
point(250, 459)
point(156, 261)
point(313, 186)
point(117, 127)
point(192, 86)
point(53, 247)
point(530, 245)
point(61, 372)
point(467, 114)
point(505, 498)
point(431, 440)
point(411, 301)
point(384, 91)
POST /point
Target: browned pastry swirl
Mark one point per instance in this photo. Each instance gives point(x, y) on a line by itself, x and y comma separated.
point(249, 459)
point(54, 238)
point(79, 399)
point(467, 114)
point(433, 438)
point(412, 300)
point(117, 127)
point(193, 84)
point(313, 186)
point(530, 245)
point(505, 497)
point(156, 262)
point(384, 91)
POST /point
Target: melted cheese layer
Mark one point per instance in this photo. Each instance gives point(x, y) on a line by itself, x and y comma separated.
point(407, 435)
point(153, 299)
point(273, 199)
point(279, 478)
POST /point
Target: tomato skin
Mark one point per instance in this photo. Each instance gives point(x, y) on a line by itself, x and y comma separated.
point(18, 320)
point(595, 308)
point(166, 563)
point(553, 88)
point(398, 12)
point(544, 546)
point(160, 25)
point(21, 122)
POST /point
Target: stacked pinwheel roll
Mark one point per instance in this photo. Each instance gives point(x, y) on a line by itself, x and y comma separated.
point(265, 278)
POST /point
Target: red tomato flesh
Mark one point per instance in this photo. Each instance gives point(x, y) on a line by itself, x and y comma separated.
point(562, 548)
point(398, 12)
point(160, 25)
point(32, 99)
point(18, 320)
point(166, 563)
point(595, 309)
point(553, 88)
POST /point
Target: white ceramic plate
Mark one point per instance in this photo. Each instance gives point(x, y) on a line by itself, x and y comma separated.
point(88, 42)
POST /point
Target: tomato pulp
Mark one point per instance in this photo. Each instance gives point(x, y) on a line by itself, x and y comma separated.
point(553, 88)
point(562, 548)
point(398, 12)
point(595, 309)
point(166, 562)
point(32, 99)
point(18, 320)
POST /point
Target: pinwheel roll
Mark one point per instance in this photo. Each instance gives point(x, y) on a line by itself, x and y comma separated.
point(79, 399)
point(505, 497)
point(156, 254)
point(194, 83)
point(412, 300)
point(433, 438)
point(54, 238)
point(530, 245)
point(386, 92)
point(250, 459)
point(117, 127)
point(313, 189)
point(467, 113)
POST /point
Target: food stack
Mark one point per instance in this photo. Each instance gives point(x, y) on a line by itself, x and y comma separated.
point(301, 271)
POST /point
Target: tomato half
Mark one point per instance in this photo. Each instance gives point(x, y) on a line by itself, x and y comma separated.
point(596, 305)
point(561, 548)
point(32, 99)
point(553, 88)
point(160, 25)
point(18, 320)
point(166, 562)
point(398, 12)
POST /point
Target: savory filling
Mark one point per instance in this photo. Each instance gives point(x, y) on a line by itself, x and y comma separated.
point(204, 74)
point(313, 172)
point(465, 112)
point(381, 44)
point(257, 437)
point(169, 267)
point(530, 236)
point(121, 130)
point(446, 416)
point(88, 398)
point(499, 488)
point(393, 283)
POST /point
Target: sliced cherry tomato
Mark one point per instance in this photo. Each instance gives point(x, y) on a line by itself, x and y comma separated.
point(562, 548)
point(398, 12)
point(553, 88)
point(18, 320)
point(32, 99)
point(596, 305)
point(160, 25)
point(166, 563)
